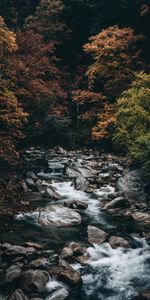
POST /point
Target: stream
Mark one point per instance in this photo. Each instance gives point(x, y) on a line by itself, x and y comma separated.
point(71, 197)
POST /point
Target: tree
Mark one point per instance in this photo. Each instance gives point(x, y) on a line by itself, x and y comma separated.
point(38, 80)
point(47, 20)
point(133, 120)
point(15, 12)
point(12, 116)
point(116, 56)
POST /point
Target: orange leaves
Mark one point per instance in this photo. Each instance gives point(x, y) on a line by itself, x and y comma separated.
point(106, 120)
point(86, 96)
point(116, 57)
point(7, 39)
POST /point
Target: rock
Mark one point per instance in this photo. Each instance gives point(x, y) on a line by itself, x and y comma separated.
point(77, 249)
point(82, 259)
point(116, 241)
point(81, 183)
point(141, 217)
point(36, 298)
point(74, 171)
point(5, 246)
point(52, 194)
point(31, 250)
point(60, 294)
point(66, 252)
point(67, 275)
point(34, 280)
point(119, 202)
point(35, 245)
point(24, 186)
point(76, 204)
point(38, 263)
point(13, 272)
point(31, 175)
point(57, 215)
point(18, 295)
point(145, 295)
point(96, 235)
point(15, 251)
point(73, 249)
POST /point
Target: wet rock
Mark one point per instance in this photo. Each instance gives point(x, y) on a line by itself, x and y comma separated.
point(59, 216)
point(15, 251)
point(145, 295)
point(18, 295)
point(96, 235)
point(24, 186)
point(5, 246)
point(73, 249)
point(81, 183)
point(35, 245)
point(77, 249)
point(31, 175)
point(141, 217)
point(34, 280)
point(66, 252)
point(38, 263)
point(52, 194)
point(82, 259)
point(31, 250)
point(59, 294)
point(13, 272)
point(116, 241)
point(74, 171)
point(67, 275)
point(76, 204)
point(119, 202)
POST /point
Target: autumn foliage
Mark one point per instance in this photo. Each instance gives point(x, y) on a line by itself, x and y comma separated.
point(63, 66)
point(12, 116)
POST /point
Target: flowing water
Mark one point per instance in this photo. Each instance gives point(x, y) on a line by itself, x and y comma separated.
point(115, 274)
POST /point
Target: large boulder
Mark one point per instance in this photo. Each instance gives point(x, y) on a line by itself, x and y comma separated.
point(96, 235)
point(57, 215)
point(18, 295)
point(119, 202)
point(66, 274)
point(116, 241)
point(34, 280)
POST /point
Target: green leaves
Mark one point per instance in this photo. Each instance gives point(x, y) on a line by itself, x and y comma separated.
point(133, 120)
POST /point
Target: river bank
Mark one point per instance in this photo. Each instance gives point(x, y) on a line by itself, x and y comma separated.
point(81, 229)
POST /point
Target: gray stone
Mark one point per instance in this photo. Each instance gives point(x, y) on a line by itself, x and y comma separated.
point(119, 202)
point(52, 194)
point(96, 235)
point(116, 241)
point(57, 215)
point(16, 251)
point(76, 204)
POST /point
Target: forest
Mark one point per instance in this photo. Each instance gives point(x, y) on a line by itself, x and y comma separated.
point(75, 83)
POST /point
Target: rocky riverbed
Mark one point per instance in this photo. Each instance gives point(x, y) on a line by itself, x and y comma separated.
point(85, 234)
